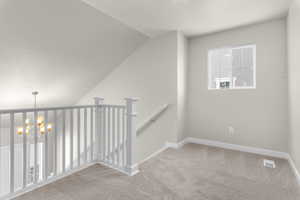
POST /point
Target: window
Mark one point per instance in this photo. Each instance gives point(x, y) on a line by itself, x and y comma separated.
point(232, 68)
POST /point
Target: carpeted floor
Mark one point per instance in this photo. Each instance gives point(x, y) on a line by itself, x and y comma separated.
point(194, 172)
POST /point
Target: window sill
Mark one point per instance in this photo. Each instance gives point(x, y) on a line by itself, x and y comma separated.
point(226, 89)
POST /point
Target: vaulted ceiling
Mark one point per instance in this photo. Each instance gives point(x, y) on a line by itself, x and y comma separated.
point(62, 48)
point(193, 17)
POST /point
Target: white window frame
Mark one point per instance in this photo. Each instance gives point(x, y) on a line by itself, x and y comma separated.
point(253, 46)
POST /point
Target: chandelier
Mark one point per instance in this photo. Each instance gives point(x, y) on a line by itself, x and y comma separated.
point(40, 123)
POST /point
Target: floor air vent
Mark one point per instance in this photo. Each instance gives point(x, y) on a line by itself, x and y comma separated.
point(269, 164)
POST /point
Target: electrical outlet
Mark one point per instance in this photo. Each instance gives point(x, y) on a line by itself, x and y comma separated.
point(231, 130)
point(269, 163)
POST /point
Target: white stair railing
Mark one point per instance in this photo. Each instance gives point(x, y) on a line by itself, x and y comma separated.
point(117, 136)
point(139, 130)
point(78, 137)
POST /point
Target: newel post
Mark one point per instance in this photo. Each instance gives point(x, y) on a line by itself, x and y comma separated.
point(98, 103)
point(132, 166)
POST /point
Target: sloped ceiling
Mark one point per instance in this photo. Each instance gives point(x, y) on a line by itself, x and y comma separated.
point(62, 48)
point(193, 17)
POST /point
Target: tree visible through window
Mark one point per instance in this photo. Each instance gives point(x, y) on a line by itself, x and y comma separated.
point(232, 68)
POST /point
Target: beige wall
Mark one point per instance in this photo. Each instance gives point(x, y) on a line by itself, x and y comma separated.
point(294, 80)
point(259, 116)
point(150, 74)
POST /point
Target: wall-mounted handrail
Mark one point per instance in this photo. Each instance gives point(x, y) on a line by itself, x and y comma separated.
point(153, 117)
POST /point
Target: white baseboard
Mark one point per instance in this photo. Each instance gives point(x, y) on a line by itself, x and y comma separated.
point(174, 145)
point(260, 151)
point(294, 168)
point(154, 154)
point(166, 146)
point(133, 170)
point(130, 172)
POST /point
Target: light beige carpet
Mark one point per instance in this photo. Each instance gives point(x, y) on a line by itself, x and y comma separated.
point(194, 172)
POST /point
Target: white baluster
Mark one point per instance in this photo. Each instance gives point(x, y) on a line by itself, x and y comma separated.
point(64, 141)
point(71, 138)
point(109, 133)
point(85, 134)
point(55, 143)
point(124, 138)
point(92, 134)
point(24, 151)
point(131, 167)
point(104, 138)
point(78, 137)
point(46, 147)
point(36, 174)
point(12, 153)
point(113, 136)
point(118, 138)
point(98, 128)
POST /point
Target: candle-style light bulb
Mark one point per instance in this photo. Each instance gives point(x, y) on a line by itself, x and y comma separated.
point(42, 130)
point(40, 121)
point(27, 131)
point(27, 122)
point(49, 127)
point(20, 131)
